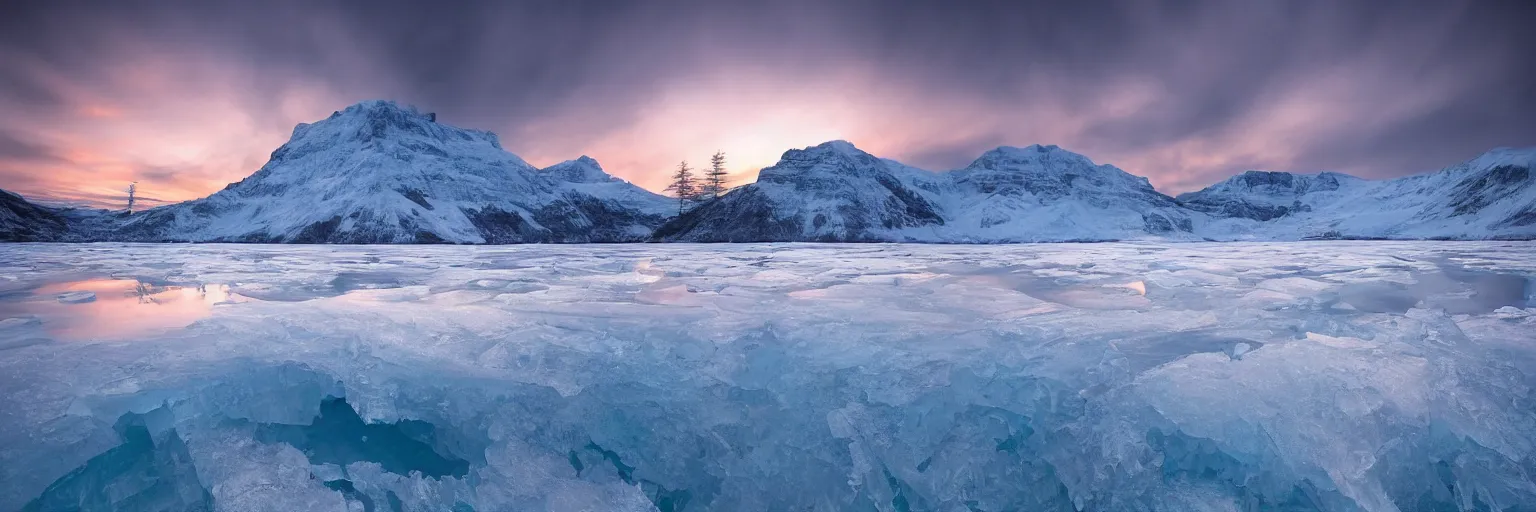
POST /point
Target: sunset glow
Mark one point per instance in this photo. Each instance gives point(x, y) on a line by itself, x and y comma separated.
point(172, 110)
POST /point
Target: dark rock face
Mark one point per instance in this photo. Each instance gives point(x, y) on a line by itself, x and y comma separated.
point(905, 208)
point(582, 219)
point(22, 221)
point(1522, 218)
point(1487, 187)
point(319, 232)
point(1159, 223)
point(1259, 195)
point(416, 197)
point(1239, 208)
point(742, 215)
point(503, 227)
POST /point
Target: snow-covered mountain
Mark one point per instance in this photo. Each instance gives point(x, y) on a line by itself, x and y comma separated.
point(836, 192)
point(830, 192)
point(378, 172)
point(22, 221)
point(1491, 196)
point(1042, 193)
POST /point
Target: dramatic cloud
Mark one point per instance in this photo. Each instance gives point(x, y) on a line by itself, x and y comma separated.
point(185, 97)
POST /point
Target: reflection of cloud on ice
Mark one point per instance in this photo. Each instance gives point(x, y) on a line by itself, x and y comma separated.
point(117, 309)
point(649, 272)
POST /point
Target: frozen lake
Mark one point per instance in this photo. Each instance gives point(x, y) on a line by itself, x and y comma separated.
point(1371, 376)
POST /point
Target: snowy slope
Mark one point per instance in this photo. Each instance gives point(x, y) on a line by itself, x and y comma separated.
point(1043, 193)
point(835, 192)
point(1491, 196)
point(22, 221)
point(378, 172)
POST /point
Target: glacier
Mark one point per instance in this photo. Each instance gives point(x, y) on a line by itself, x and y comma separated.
point(1327, 375)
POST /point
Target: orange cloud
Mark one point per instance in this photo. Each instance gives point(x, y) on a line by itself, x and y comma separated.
point(180, 138)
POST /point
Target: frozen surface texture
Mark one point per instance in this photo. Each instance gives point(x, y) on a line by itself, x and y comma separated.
point(1339, 376)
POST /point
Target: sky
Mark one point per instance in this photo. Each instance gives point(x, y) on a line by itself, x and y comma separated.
point(187, 96)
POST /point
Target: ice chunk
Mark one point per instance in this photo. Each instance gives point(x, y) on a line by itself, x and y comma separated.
point(77, 297)
point(1239, 349)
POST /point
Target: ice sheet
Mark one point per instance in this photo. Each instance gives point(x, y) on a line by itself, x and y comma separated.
point(1370, 376)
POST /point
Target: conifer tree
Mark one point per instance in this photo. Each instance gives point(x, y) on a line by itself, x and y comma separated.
point(684, 187)
point(714, 178)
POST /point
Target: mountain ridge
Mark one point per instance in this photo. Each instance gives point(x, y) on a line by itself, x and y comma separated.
point(381, 172)
point(1491, 196)
point(1008, 194)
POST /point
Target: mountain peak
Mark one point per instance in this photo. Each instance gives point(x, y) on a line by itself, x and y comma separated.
point(583, 169)
point(837, 145)
point(837, 156)
point(1034, 156)
point(382, 108)
point(374, 120)
point(828, 148)
point(1525, 157)
point(1032, 148)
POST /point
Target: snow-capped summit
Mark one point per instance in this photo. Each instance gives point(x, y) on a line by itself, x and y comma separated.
point(384, 119)
point(1048, 193)
point(379, 172)
point(834, 191)
point(838, 157)
point(581, 170)
point(1490, 196)
point(1036, 156)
